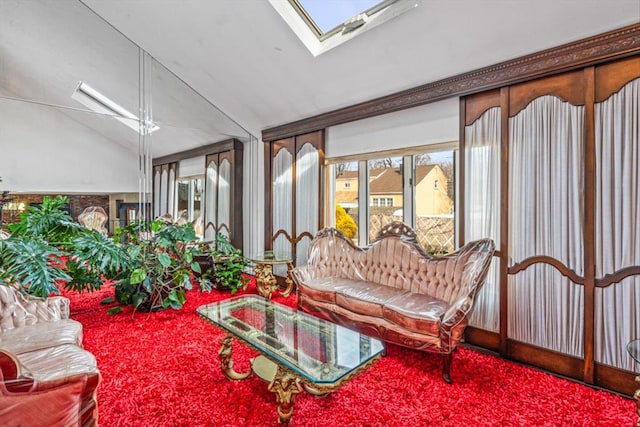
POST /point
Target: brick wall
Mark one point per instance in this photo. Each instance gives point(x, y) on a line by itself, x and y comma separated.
point(77, 203)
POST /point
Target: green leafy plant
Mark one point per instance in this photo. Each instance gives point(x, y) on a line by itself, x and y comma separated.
point(162, 266)
point(229, 265)
point(46, 248)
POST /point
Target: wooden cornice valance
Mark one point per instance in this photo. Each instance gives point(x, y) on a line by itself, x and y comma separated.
point(601, 48)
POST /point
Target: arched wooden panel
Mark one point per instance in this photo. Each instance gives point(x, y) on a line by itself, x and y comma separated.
point(611, 77)
point(476, 105)
point(314, 138)
point(283, 144)
point(569, 87)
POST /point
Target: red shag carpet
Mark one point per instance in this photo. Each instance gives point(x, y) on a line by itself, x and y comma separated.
point(162, 369)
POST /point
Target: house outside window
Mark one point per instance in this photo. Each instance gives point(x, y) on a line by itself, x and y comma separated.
point(417, 188)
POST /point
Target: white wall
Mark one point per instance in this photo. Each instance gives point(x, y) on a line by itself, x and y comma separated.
point(192, 167)
point(43, 150)
point(428, 124)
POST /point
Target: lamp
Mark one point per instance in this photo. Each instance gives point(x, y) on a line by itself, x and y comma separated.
point(91, 98)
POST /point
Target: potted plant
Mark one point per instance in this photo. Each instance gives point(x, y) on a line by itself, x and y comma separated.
point(228, 266)
point(47, 248)
point(162, 266)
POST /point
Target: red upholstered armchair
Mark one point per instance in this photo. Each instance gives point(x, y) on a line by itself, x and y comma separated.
point(46, 377)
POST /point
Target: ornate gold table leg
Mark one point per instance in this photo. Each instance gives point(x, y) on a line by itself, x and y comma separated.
point(226, 364)
point(288, 281)
point(285, 386)
point(266, 282)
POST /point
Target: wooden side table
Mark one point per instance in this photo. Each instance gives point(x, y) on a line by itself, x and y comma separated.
point(633, 348)
point(266, 282)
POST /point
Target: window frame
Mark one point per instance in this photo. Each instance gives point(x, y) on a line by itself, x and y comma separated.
point(408, 166)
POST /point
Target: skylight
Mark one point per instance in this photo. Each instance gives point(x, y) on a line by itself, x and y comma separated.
point(324, 24)
point(94, 100)
point(327, 16)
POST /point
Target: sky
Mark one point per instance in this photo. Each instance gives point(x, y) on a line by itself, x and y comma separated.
point(328, 14)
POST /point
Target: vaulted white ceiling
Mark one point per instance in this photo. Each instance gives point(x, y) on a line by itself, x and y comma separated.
point(241, 56)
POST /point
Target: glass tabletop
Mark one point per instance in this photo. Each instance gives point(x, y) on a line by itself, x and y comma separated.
point(318, 350)
point(634, 350)
point(271, 257)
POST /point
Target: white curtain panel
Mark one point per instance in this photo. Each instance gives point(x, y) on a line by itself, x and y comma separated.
point(307, 196)
point(171, 205)
point(482, 207)
point(156, 194)
point(224, 197)
point(546, 218)
point(211, 192)
point(282, 203)
point(164, 181)
point(253, 196)
point(617, 138)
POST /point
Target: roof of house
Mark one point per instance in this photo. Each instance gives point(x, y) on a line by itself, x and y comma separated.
point(390, 181)
point(346, 196)
point(347, 175)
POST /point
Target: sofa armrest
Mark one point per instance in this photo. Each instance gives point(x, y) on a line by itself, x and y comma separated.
point(457, 312)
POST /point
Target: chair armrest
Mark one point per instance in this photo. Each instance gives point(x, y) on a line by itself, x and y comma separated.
point(10, 367)
point(59, 305)
point(17, 309)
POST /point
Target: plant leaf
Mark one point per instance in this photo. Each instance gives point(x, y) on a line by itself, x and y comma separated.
point(137, 276)
point(114, 310)
point(164, 259)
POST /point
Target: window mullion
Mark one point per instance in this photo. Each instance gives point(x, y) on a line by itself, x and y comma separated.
point(363, 203)
point(408, 211)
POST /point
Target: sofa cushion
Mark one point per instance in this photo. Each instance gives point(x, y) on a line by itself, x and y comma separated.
point(41, 335)
point(416, 312)
point(59, 362)
point(366, 298)
point(325, 288)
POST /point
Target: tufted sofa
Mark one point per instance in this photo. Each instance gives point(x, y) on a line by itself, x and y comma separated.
point(46, 377)
point(393, 290)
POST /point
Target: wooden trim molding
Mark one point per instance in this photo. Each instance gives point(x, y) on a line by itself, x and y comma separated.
point(597, 49)
point(563, 269)
point(216, 147)
point(608, 377)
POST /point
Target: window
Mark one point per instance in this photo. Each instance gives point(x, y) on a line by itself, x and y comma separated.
point(189, 198)
point(417, 188)
point(326, 19)
point(346, 202)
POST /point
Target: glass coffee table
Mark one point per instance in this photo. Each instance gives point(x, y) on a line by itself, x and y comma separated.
point(297, 351)
point(633, 348)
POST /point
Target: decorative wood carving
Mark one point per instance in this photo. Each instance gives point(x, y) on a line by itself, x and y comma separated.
point(615, 44)
point(618, 276)
point(563, 269)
